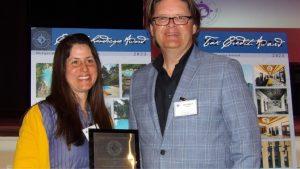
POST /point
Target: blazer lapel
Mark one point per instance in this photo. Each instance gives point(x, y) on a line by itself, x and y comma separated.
point(151, 99)
point(187, 76)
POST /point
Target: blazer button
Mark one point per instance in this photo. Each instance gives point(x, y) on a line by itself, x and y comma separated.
point(162, 152)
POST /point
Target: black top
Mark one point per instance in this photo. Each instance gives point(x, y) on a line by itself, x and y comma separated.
point(165, 86)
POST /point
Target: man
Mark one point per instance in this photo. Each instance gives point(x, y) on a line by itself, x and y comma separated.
point(192, 109)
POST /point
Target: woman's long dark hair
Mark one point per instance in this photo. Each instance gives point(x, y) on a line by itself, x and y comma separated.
point(64, 100)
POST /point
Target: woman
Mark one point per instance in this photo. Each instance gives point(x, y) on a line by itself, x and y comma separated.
point(51, 134)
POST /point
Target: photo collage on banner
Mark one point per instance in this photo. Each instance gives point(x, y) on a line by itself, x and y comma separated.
point(264, 60)
point(121, 53)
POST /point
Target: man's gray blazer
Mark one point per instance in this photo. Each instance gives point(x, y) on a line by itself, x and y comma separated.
point(223, 134)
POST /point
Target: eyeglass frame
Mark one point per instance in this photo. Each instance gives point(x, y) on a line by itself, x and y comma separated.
point(154, 19)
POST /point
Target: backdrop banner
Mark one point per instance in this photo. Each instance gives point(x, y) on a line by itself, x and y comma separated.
point(264, 59)
point(263, 56)
point(121, 52)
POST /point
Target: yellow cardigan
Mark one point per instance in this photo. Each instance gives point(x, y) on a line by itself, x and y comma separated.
point(32, 150)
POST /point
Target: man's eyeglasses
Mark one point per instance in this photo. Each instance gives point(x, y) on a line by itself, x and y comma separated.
point(177, 20)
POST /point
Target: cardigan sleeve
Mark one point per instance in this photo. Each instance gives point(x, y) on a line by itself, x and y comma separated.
point(32, 149)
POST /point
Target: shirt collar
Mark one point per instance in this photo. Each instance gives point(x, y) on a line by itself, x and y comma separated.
point(159, 61)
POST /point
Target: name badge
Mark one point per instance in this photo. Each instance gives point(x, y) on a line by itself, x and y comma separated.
point(185, 108)
point(86, 130)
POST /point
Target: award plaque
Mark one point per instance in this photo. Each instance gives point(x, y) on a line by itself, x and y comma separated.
point(114, 149)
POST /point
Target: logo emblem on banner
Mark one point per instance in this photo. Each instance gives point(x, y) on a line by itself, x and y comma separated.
point(41, 40)
point(208, 11)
